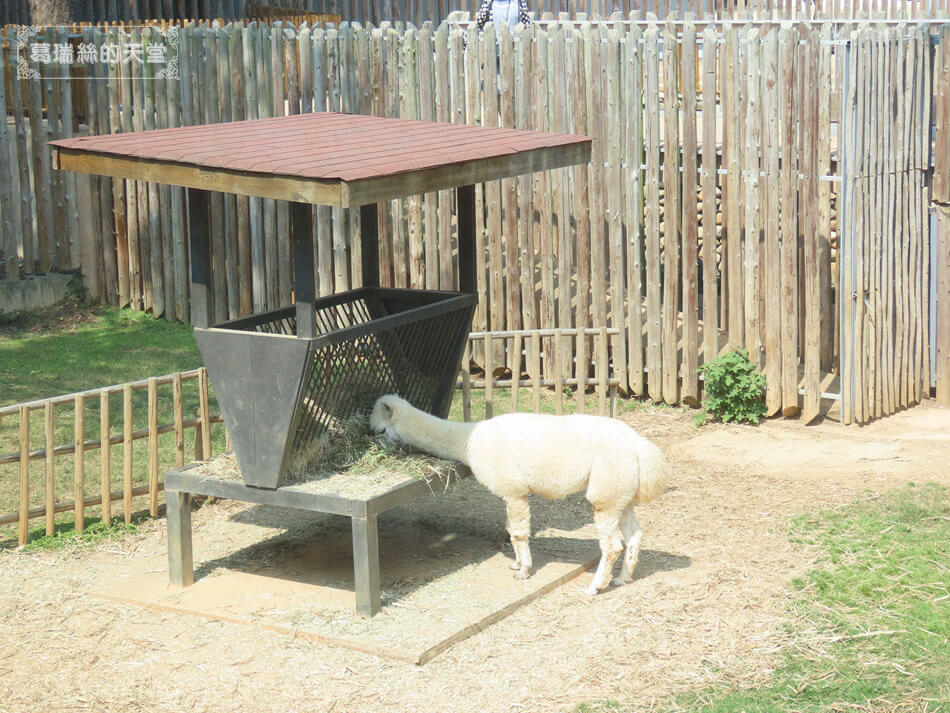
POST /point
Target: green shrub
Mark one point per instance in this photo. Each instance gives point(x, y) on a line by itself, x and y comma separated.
point(734, 389)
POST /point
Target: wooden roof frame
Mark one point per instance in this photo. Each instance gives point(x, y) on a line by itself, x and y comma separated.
point(81, 155)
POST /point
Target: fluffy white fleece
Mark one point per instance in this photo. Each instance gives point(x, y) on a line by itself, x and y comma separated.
point(515, 455)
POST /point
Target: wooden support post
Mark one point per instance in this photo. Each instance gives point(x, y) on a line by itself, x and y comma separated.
point(181, 570)
point(465, 199)
point(366, 564)
point(942, 336)
point(301, 217)
point(199, 232)
point(23, 532)
point(369, 244)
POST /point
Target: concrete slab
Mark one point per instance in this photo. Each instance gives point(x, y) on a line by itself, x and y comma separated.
point(33, 292)
point(438, 587)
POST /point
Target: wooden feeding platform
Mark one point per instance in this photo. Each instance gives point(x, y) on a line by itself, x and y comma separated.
point(285, 378)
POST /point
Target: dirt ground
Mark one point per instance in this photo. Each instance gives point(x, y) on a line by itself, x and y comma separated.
point(707, 597)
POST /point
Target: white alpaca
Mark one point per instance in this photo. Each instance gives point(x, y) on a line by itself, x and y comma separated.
point(518, 454)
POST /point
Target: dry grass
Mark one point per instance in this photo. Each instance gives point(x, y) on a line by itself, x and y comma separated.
point(708, 601)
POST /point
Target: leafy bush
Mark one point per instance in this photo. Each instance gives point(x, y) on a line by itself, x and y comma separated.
point(734, 389)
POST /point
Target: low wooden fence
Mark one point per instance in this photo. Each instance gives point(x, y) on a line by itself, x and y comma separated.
point(562, 389)
point(731, 239)
point(58, 456)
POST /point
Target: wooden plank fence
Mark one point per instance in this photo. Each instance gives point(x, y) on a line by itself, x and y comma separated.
point(614, 244)
point(119, 479)
point(13, 12)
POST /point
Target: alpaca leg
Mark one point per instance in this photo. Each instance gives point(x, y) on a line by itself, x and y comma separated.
point(519, 529)
point(632, 534)
point(611, 545)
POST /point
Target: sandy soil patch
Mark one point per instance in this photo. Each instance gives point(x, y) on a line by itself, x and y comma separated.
point(708, 594)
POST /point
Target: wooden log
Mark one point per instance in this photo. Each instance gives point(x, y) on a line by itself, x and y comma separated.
point(923, 165)
point(23, 529)
point(59, 236)
point(595, 187)
point(542, 199)
point(690, 220)
point(826, 279)
point(771, 253)
point(8, 238)
point(613, 174)
point(515, 359)
point(672, 226)
point(534, 371)
point(153, 447)
point(443, 112)
point(41, 171)
point(119, 212)
point(524, 69)
point(732, 158)
point(26, 200)
point(285, 275)
point(127, 453)
point(751, 150)
point(942, 336)
point(79, 461)
point(654, 306)
point(227, 38)
point(509, 197)
point(49, 433)
point(105, 457)
point(789, 192)
point(143, 211)
point(579, 189)
point(560, 70)
point(204, 413)
point(124, 99)
point(709, 176)
point(156, 261)
point(808, 199)
point(603, 369)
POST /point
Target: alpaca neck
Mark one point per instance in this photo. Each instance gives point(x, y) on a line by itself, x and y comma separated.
point(441, 438)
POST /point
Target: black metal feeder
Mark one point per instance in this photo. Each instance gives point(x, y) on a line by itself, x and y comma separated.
point(280, 392)
point(287, 378)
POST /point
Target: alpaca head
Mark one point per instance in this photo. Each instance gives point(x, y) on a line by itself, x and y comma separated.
point(383, 415)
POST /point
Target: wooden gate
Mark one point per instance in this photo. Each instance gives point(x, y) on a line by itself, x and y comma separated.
point(885, 234)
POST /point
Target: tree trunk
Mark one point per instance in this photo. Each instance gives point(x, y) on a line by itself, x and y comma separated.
point(51, 12)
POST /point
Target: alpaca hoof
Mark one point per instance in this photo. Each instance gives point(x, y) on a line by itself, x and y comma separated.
point(591, 591)
point(515, 566)
point(618, 581)
point(522, 574)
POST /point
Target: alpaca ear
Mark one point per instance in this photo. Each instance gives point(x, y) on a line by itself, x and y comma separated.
point(387, 410)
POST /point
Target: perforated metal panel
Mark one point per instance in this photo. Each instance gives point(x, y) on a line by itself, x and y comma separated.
point(368, 342)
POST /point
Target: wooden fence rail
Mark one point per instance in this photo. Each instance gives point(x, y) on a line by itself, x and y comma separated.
point(597, 377)
point(56, 454)
point(709, 217)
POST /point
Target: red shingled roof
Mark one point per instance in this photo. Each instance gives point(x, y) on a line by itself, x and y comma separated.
point(327, 146)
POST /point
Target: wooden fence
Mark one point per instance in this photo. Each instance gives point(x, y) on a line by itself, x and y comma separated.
point(73, 453)
point(649, 241)
point(85, 441)
point(421, 11)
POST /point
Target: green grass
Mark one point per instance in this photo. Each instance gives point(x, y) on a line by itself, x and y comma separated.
point(872, 622)
point(74, 347)
point(115, 346)
point(77, 346)
point(66, 536)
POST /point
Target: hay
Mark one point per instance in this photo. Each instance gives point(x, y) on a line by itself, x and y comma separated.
point(351, 462)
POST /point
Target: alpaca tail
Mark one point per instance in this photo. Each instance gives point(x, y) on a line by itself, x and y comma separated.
point(653, 472)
